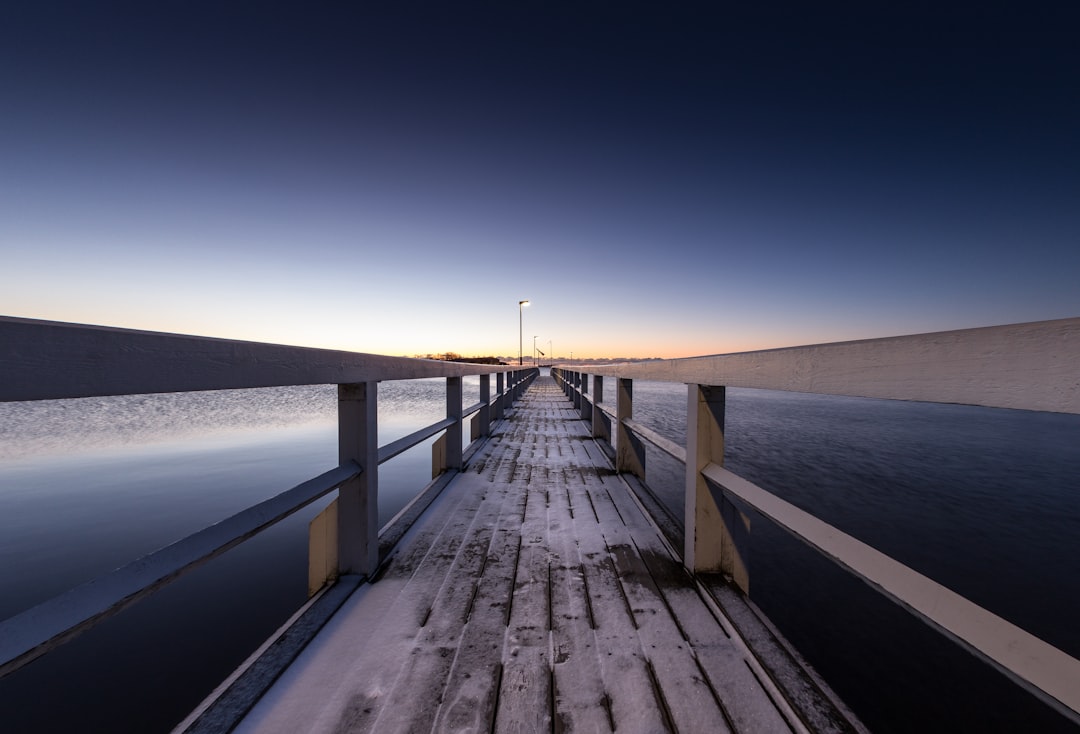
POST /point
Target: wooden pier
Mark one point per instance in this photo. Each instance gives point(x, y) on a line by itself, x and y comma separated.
point(528, 587)
point(532, 595)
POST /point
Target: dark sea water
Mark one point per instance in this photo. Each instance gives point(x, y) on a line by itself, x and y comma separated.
point(984, 501)
point(88, 485)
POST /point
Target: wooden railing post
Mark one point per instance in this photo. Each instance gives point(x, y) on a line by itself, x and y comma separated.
point(599, 427)
point(500, 397)
point(714, 534)
point(629, 453)
point(358, 506)
point(454, 432)
point(485, 405)
point(586, 405)
point(577, 389)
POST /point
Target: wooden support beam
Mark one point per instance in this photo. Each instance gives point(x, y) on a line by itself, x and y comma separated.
point(485, 406)
point(629, 452)
point(586, 403)
point(715, 534)
point(454, 432)
point(500, 397)
point(358, 505)
point(599, 427)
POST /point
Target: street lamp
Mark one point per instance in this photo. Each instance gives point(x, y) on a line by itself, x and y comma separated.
point(534, 350)
point(520, 304)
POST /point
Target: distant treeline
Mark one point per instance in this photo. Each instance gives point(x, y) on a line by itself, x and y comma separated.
point(452, 357)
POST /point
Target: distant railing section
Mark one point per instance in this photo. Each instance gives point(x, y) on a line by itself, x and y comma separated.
point(1023, 366)
point(41, 360)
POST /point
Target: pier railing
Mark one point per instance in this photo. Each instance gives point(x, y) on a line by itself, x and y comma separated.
point(1024, 366)
point(41, 360)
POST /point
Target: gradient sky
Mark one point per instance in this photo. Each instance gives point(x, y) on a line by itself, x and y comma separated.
point(658, 181)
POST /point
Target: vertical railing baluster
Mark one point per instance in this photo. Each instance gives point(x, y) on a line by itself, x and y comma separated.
point(599, 428)
point(454, 432)
point(358, 506)
point(715, 534)
point(500, 397)
point(629, 453)
point(485, 406)
point(586, 404)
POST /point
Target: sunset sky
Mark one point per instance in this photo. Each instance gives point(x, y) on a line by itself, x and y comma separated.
point(666, 179)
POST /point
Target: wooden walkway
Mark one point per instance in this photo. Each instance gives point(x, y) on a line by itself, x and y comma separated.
point(532, 595)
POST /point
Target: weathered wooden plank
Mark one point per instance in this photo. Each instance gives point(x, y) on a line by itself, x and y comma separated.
point(627, 678)
point(690, 701)
point(454, 568)
point(731, 671)
point(525, 691)
point(581, 703)
point(469, 697)
point(372, 638)
point(426, 667)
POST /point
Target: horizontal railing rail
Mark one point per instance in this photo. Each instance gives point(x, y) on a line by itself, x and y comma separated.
point(46, 360)
point(40, 629)
point(42, 360)
point(666, 445)
point(1024, 657)
point(415, 438)
point(1021, 366)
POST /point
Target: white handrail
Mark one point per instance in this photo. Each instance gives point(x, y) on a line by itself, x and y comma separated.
point(1027, 366)
point(43, 360)
point(1040, 667)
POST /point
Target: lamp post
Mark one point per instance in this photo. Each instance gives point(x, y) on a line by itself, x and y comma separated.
point(534, 350)
point(520, 305)
point(551, 352)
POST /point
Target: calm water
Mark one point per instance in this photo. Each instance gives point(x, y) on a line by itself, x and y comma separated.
point(88, 485)
point(984, 501)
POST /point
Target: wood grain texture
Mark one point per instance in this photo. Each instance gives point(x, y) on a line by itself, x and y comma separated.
point(1026, 366)
point(44, 360)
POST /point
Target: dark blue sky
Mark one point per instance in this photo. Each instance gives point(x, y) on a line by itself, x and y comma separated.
point(657, 180)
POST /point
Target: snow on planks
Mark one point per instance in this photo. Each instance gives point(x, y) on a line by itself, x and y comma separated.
point(532, 596)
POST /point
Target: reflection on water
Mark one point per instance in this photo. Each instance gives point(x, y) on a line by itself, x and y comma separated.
point(88, 485)
point(142, 422)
